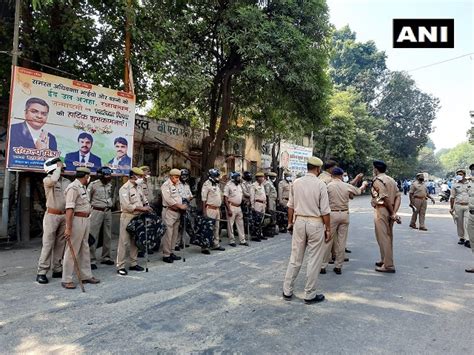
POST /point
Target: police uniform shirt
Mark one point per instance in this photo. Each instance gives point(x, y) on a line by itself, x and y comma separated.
point(283, 191)
point(384, 186)
point(54, 187)
point(418, 189)
point(184, 191)
point(309, 197)
point(234, 193)
point(100, 194)
point(211, 194)
point(77, 197)
point(460, 192)
point(246, 186)
point(257, 194)
point(325, 177)
point(131, 197)
point(270, 189)
point(340, 193)
point(170, 194)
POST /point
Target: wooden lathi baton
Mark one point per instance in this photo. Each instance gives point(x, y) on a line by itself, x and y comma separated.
point(76, 265)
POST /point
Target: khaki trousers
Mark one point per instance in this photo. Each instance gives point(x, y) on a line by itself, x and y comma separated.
point(462, 216)
point(420, 206)
point(126, 242)
point(80, 243)
point(238, 218)
point(384, 234)
point(52, 251)
point(171, 219)
point(470, 230)
point(337, 245)
point(215, 214)
point(306, 235)
point(101, 219)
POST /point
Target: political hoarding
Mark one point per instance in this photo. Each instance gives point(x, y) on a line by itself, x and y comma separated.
point(294, 157)
point(84, 124)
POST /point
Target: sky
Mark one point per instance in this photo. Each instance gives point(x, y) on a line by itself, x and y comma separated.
point(452, 82)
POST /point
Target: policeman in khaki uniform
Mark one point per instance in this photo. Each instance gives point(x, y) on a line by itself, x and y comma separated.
point(54, 221)
point(233, 197)
point(186, 195)
point(258, 201)
point(78, 210)
point(308, 207)
point(283, 196)
point(132, 203)
point(211, 197)
point(146, 186)
point(339, 193)
point(470, 221)
point(386, 201)
point(460, 204)
point(171, 215)
point(418, 196)
point(100, 193)
point(272, 196)
point(326, 175)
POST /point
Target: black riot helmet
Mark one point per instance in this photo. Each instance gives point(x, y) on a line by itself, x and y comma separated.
point(184, 177)
point(247, 176)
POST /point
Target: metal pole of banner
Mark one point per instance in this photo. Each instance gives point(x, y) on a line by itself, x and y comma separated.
point(6, 179)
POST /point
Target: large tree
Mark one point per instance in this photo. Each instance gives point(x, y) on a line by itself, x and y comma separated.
point(220, 58)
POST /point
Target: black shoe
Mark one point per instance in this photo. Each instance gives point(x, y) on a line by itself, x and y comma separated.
point(263, 238)
point(141, 254)
point(175, 257)
point(316, 299)
point(42, 279)
point(348, 251)
point(379, 263)
point(461, 241)
point(233, 245)
point(283, 230)
point(136, 268)
point(187, 245)
point(337, 270)
point(107, 262)
point(93, 267)
point(168, 259)
point(256, 240)
point(177, 248)
point(285, 297)
point(331, 262)
point(122, 272)
point(57, 275)
point(244, 244)
point(206, 252)
point(181, 246)
point(323, 271)
point(346, 260)
point(467, 244)
point(219, 248)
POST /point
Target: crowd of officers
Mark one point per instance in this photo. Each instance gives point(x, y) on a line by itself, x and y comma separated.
point(315, 209)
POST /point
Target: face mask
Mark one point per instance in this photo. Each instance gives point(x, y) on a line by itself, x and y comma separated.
point(272, 179)
point(147, 176)
point(139, 181)
point(459, 177)
point(288, 178)
point(345, 178)
point(88, 179)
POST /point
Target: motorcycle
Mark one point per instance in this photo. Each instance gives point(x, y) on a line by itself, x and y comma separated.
point(444, 196)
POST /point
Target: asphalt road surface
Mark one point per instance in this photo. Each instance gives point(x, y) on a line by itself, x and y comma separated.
point(231, 301)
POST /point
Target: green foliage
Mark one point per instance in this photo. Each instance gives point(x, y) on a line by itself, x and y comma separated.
point(461, 156)
point(429, 162)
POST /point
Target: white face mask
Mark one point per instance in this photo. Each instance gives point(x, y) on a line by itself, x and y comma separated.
point(288, 178)
point(272, 179)
point(88, 179)
point(345, 178)
point(139, 181)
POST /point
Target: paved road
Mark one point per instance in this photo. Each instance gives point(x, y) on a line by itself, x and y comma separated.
point(231, 301)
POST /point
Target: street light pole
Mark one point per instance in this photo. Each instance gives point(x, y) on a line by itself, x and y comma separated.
point(6, 179)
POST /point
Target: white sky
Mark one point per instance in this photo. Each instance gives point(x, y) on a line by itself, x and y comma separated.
point(451, 82)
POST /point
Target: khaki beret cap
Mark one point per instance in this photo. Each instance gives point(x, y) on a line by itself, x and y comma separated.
point(259, 174)
point(175, 172)
point(461, 171)
point(83, 170)
point(315, 161)
point(272, 174)
point(145, 167)
point(420, 174)
point(137, 171)
point(287, 173)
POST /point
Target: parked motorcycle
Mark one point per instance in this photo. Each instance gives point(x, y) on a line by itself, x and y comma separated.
point(444, 196)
